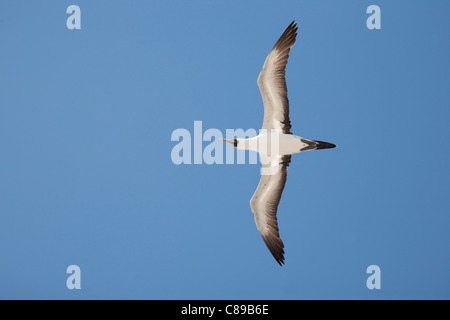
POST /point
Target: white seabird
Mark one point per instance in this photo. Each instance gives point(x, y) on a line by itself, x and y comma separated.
point(276, 131)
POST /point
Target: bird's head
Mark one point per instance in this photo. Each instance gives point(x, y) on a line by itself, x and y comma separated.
point(234, 142)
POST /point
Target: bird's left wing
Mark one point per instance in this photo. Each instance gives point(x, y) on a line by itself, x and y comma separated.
point(264, 202)
point(272, 83)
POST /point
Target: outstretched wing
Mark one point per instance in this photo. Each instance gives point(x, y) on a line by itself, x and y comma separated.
point(264, 202)
point(272, 83)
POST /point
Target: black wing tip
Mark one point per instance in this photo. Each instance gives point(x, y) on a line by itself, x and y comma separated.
point(280, 261)
point(276, 248)
point(293, 26)
point(287, 39)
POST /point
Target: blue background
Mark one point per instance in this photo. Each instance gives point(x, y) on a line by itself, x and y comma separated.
point(86, 177)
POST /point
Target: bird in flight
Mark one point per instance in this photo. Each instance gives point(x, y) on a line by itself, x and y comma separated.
point(275, 143)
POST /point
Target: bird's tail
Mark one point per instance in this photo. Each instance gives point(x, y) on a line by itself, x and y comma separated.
point(315, 145)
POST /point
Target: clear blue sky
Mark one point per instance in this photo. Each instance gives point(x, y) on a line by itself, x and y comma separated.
point(86, 176)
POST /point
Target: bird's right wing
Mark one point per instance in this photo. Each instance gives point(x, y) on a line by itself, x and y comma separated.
point(264, 202)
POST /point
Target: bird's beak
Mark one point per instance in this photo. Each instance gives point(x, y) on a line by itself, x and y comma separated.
point(229, 141)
